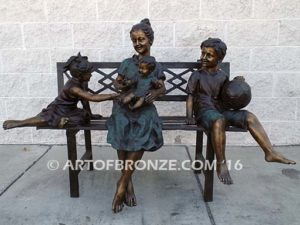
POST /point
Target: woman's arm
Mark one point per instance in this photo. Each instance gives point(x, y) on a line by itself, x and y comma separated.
point(84, 95)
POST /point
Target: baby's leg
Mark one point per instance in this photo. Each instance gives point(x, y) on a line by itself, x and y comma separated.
point(128, 98)
point(33, 121)
point(138, 103)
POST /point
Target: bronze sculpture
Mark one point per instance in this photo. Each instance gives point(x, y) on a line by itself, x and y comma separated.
point(132, 132)
point(204, 107)
point(63, 110)
point(142, 84)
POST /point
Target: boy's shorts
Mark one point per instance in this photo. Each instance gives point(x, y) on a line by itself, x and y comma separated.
point(237, 118)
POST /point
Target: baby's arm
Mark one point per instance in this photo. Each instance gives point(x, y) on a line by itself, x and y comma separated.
point(84, 95)
point(128, 98)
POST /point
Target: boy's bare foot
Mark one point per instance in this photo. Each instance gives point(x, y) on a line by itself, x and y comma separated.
point(118, 201)
point(63, 121)
point(223, 173)
point(130, 199)
point(277, 157)
point(8, 124)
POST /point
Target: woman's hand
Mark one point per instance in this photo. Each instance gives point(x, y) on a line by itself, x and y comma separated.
point(155, 93)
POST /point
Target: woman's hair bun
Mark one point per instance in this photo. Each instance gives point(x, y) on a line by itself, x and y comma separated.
point(146, 21)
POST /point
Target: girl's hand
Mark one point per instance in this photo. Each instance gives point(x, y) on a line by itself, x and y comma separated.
point(190, 121)
point(114, 95)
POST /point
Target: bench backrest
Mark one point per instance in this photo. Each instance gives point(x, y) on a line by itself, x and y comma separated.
point(177, 75)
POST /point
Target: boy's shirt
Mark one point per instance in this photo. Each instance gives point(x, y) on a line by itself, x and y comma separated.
point(206, 89)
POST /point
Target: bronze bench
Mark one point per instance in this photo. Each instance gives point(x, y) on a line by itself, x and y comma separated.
point(177, 74)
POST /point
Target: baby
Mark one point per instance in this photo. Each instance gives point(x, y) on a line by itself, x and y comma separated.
point(144, 81)
point(63, 110)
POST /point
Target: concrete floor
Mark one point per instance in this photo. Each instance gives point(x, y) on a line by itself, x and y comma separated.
point(262, 193)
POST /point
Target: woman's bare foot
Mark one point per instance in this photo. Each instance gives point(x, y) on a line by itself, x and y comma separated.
point(63, 121)
point(118, 202)
point(277, 157)
point(130, 199)
point(223, 173)
point(8, 124)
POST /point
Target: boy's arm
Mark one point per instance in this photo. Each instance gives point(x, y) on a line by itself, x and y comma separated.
point(189, 110)
point(84, 95)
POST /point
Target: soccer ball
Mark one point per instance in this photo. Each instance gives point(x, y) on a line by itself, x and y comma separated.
point(236, 94)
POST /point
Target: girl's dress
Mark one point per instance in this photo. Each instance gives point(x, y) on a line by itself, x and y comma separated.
point(65, 105)
point(136, 130)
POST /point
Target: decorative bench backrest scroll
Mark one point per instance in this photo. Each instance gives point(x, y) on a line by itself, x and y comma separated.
point(177, 75)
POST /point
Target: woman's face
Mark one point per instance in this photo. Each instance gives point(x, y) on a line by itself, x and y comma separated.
point(140, 42)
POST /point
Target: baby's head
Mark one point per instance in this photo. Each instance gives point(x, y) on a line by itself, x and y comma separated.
point(79, 67)
point(146, 65)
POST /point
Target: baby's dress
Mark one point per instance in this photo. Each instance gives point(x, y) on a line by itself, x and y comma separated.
point(144, 84)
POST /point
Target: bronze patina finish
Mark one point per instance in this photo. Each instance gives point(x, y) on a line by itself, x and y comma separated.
point(63, 110)
point(204, 107)
point(144, 82)
point(122, 137)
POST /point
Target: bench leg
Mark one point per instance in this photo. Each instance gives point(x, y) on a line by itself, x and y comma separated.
point(72, 157)
point(209, 173)
point(88, 147)
point(198, 150)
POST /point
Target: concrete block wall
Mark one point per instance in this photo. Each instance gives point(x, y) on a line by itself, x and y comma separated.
point(263, 38)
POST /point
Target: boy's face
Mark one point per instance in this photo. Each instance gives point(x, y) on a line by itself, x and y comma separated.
point(144, 69)
point(209, 57)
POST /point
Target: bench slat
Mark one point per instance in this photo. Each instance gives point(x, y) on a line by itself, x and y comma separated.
point(169, 123)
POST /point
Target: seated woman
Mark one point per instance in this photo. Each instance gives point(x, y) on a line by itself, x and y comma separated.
point(132, 132)
point(63, 110)
point(204, 89)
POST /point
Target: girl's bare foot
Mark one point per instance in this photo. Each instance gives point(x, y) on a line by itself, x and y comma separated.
point(130, 199)
point(63, 121)
point(277, 157)
point(8, 124)
point(118, 201)
point(223, 173)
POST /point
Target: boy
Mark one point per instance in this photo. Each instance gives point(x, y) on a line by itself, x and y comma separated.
point(204, 89)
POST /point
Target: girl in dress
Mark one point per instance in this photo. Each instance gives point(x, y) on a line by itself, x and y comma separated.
point(63, 110)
